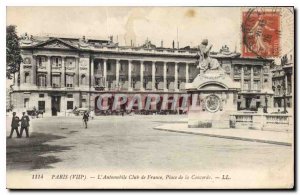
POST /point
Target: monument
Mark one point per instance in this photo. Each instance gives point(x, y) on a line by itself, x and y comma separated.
point(217, 93)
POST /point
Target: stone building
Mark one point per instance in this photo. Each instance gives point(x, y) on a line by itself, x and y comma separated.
point(283, 82)
point(59, 73)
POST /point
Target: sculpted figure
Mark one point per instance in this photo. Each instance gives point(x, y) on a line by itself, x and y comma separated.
point(204, 61)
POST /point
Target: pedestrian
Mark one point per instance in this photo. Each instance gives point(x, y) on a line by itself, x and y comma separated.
point(92, 114)
point(85, 118)
point(14, 125)
point(24, 125)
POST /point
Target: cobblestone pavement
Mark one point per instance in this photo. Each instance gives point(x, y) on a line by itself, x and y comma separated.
point(129, 142)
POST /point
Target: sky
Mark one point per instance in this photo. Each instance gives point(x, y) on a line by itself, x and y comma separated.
point(190, 25)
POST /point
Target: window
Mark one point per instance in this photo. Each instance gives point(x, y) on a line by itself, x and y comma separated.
point(56, 81)
point(69, 95)
point(83, 103)
point(237, 70)
point(26, 103)
point(56, 61)
point(69, 80)
point(41, 105)
point(83, 79)
point(69, 105)
point(27, 77)
point(40, 61)
point(41, 82)
point(70, 62)
point(41, 95)
point(255, 85)
point(108, 66)
point(246, 85)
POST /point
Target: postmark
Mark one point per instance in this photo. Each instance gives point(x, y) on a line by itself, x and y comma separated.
point(261, 32)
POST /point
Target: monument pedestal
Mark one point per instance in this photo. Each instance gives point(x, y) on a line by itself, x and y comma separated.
point(217, 100)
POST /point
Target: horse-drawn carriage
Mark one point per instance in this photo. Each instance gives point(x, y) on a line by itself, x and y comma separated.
point(35, 113)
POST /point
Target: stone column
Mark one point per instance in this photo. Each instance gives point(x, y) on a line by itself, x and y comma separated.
point(176, 77)
point(49, 71)
point(33, 63)
point(242, 78)
point(129, 75)
point(153, 75)
point(251, 79)
point(117, 72)
point(142, 75)
point(22, 75)
point(165, 76)
point(77, 80)
point(105, 72)
point(187, 73)
point(63, 69)
point(92, 72)
point(286, 83)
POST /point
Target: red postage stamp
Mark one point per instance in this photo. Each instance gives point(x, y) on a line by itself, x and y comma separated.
point(261, 33)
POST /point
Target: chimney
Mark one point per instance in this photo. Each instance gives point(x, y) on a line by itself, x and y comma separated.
point(162, 43)
point(178, 45)
point(173, 44)
point(111, 38)
point(131, 43)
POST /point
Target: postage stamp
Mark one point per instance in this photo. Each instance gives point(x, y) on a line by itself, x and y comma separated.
point(261, 32)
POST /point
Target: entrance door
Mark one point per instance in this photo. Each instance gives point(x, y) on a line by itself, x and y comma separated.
point(248, 103)
point(55, 105)
point(41, 106)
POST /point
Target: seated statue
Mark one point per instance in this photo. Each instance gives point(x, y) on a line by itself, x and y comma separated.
point(204, 61)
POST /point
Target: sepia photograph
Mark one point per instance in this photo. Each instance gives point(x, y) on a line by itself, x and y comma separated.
point(162, 97)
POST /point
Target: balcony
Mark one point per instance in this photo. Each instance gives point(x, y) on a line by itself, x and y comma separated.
point(250, 90)
point(55, 86)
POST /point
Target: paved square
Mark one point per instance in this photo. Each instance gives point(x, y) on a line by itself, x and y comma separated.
point(130, 142)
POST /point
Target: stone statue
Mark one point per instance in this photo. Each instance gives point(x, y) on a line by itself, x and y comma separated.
point(204, 61)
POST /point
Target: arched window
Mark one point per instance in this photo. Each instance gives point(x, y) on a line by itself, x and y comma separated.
point(27, 77)
point(83, 79)
point(278, 90)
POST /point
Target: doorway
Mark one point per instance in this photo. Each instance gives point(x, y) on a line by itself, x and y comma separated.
point(55, 105)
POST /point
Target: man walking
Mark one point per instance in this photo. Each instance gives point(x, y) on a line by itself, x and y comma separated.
point(14, 125)
point(24, 125)
point(85, 118)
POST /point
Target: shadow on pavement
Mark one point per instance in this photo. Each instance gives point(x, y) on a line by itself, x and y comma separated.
point(25, 153)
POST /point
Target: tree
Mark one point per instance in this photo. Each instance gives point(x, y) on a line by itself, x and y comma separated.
point(13, 52)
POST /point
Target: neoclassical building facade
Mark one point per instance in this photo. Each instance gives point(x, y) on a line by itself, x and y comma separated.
point(64, 73)
point(283, 82)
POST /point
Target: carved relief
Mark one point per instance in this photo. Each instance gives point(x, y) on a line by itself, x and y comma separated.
point(212, 103)
point(27, 60)
point(256, 71)
point(237, 70)
point(227, 68)
point(56, 45)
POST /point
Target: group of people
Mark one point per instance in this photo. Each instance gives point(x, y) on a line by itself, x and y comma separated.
point(15, 123)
